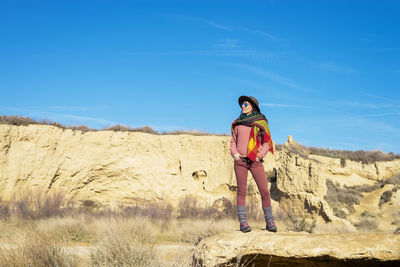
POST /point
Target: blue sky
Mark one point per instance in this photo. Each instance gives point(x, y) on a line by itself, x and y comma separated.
point(325, 72)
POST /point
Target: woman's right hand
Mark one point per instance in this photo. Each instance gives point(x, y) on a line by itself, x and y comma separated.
point(236, 156)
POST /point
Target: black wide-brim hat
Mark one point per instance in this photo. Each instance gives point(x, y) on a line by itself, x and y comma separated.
point(253, 101)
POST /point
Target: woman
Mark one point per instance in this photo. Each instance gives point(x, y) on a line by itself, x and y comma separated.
point(251, 140)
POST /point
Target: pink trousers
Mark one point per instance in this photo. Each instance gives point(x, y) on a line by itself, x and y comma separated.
point(257, 170)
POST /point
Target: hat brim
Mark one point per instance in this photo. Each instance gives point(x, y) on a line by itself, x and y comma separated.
point(246, 98)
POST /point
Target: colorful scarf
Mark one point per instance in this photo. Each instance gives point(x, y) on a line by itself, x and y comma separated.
point(259, 133)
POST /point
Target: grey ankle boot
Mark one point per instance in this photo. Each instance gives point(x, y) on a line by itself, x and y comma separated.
point(242, 216)
point(269, 219)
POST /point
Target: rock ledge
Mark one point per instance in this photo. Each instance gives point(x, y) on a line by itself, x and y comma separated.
point(261, 248)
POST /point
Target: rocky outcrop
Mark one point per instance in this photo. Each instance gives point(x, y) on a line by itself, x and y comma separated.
point(261, 248)
point(114, 167)
point(124, 167)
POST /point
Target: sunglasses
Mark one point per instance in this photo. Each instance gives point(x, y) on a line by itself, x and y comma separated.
point(245, 104)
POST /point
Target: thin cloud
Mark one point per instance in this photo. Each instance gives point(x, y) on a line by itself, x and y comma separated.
point(383, 114)
point(69, 108)
point(283, 105)
point(39, 114)
point(211, 53)
point(220, 26)
point(357, 104)
point(202, 20)
point(369, 105)
point(383, 49)
point(386, 99)
point(271, 75)
point(261, 33)
point(228, 43)
point(215, 25)
point(336, 68)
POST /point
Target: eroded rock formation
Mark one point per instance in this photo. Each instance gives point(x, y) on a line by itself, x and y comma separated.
point(261, 248)
point(123, 167)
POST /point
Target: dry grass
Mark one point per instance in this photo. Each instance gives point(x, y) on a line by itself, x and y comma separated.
point(125, 243)
point(189, 208)
point(340, 198)
point(20, 120)
point(301, 224)
point(36, 250)
point(359, 155)
point(125, 236)
point(367, 225)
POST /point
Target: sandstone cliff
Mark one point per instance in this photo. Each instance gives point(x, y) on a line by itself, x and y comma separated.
point(123, 167)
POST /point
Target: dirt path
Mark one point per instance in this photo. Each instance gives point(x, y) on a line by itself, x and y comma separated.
point(370, 204)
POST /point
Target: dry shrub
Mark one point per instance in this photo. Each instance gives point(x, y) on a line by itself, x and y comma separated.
point(397, 231)
point(298, 150)
point(37, 250)
point(5, 210)
point(395, 180)
point(121, 128)
point(20, 120)
point(339, 198)
point(367, 225)
point(189, 208)
point(71, 231)
point(154, 211)
point(226, 206)
point(195, 133)
point(35, 205)
point(17, 120)
point(194, 230)
point(125, 245)
point(386, 196)
point(301, 224)
point(364, 188)
point(367, 214)
point(396, 217)
point(359, 155)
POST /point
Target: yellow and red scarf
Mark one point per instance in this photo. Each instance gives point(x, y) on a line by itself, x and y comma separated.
point(259, 133)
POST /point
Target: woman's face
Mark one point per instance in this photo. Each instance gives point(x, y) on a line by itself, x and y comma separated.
point(246, 108)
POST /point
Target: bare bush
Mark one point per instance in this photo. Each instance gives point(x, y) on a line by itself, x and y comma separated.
point(367, 225)
point(367, 214)
point(189, 208)
point(301, 224)
point(72, 231)
point(37, 250)
point(153, 211)
point(20, 120)
point(5, 210)
point(17, 120)
point(195, 133)
point(35, 205)
point(339, 198)
point(125, 246)
point(386, 196)
point(359, 155)
point(364, 188)
point(395, 180)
